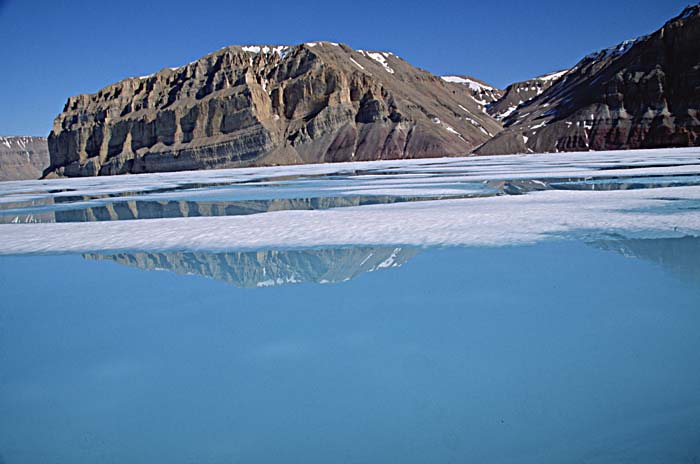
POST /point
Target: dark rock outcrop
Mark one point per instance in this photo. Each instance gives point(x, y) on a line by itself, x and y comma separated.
point(23, 157)
point(259, 105)
point(642, 93)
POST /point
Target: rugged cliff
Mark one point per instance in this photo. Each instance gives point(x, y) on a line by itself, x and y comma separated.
point(23, 157)
point(642, 93)
point(260, 105)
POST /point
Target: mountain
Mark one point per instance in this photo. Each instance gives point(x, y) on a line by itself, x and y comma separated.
point(270, 267)
point(521, 92)
point(265, 105)
point(483, 93)
point(642, 93)
point(23, 157)
point(325, 102)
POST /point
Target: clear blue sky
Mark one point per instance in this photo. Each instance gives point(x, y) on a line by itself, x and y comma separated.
point(53, 49)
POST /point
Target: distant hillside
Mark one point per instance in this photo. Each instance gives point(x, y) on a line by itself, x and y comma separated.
point(483, 93)
point(642, 93)
point(23, 157)
point(521, 92)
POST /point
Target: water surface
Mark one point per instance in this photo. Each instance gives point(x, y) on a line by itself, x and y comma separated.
point(486, 310)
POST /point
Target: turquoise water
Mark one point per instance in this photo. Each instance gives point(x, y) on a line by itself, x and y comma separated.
point(524, 309)
point(559, 352)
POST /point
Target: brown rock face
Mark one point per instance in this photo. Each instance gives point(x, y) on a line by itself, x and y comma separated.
point(23, 157)
point(256, 106)
point(643, 93)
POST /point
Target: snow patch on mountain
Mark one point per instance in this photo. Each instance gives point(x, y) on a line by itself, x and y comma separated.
point(357, 64)
point(281, 50)
point(615, 51)
point(473, 85)
point(379, 57)
point(19, 142)
point(553, 76)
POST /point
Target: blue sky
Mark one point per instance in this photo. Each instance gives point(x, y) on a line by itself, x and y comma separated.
point(53, 49)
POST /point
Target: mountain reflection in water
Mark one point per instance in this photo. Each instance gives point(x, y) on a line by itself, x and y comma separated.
point(264, 268)
point(270, 267)
point(681, 256)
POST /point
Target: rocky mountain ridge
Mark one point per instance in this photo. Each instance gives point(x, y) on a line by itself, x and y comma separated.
point(264, 105)
point(321, 102)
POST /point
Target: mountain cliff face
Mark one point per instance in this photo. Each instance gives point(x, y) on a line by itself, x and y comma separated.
point(23, 157)
point(261, 105)
point(642, 93)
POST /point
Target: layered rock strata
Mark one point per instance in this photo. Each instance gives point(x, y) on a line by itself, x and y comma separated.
point(261, 105)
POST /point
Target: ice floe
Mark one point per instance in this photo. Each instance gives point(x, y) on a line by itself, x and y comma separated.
point(666, 211)
point(501, 220)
